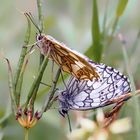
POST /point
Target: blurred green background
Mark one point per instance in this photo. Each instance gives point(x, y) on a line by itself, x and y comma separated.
point(70, 22)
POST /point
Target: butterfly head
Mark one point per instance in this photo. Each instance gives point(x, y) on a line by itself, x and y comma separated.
point(63, 112)
point(63, 104)
point(43, 43)
point(39, 37)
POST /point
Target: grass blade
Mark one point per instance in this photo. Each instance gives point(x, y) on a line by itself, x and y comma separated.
point(95, 50)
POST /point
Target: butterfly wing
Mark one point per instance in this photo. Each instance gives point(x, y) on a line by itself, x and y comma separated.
point(65, 97)
point(69, 60)
point(87, 95)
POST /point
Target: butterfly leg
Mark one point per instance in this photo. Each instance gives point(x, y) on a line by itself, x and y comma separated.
point(63, 79)
point(113, 114)
point(52, 78)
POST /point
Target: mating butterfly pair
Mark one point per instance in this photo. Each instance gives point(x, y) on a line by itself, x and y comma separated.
point(92, 86)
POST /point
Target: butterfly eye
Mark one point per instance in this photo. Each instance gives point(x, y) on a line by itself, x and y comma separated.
point(63, 112)
point(39, 37)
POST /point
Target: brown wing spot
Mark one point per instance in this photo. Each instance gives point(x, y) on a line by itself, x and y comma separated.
point(75, 68)
point(81, 65)
point(59, 59)
point(62, 50)
point(85, 74)
point(80, 73)
point(70, 61)
point(66, 68)
point(73, 56)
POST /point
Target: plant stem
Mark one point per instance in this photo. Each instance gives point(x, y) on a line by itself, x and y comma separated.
point(41, 26)
point(37, 80)
point(26, 133)
point(40, 16)
point(18, 77)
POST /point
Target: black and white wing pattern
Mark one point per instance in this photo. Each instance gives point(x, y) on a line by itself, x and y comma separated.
point(86, 95)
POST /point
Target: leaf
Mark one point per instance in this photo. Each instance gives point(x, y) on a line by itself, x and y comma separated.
point(121, 7)
point(95, 50)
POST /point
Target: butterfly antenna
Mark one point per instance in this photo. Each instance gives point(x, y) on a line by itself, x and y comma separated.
point(70, 128)
point(48, 85)
point(29, 15)
point(45, 84)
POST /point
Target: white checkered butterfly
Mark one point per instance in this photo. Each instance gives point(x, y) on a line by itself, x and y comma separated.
point(87, 95)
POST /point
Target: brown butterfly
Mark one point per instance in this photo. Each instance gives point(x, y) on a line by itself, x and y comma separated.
point(69, 60)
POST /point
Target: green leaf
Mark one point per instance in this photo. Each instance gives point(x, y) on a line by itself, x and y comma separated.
point(95, 51)
point(121, 7)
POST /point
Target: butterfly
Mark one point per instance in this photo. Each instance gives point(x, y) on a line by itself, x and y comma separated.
point(87, 95)
point(70, 61)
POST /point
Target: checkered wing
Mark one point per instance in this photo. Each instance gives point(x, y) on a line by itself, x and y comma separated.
point(69, 60)
point(85, 95)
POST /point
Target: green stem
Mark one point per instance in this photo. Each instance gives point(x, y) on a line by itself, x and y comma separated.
point(37, 80)
point(26, 133)
point(105, 19)
point(41, 26)
point(20, 63)
point(40, 15)
point(18, 78)
point(113, 31)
